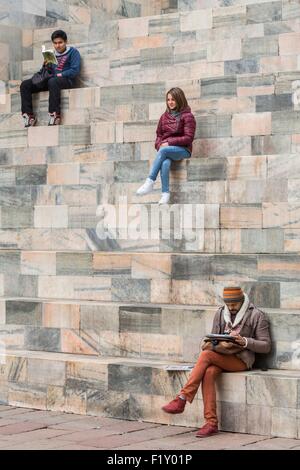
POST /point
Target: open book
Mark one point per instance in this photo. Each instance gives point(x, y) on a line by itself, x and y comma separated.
point(49, 55)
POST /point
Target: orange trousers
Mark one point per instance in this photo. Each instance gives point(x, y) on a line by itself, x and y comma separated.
point(210, 364)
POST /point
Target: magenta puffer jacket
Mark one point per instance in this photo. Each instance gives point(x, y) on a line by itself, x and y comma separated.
point(179, 132)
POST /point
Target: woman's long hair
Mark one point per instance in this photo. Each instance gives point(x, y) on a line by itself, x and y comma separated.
point(179, 96)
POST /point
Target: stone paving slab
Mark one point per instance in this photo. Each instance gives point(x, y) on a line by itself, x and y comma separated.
point(49, 419)
point(43, 444)
point(106, 437)
point(26, 429)
point(87, 424)
point(145, 435)
point(4, 407)
point(110, 428)
point(274, 444)
point(20, 428)
point(6, 422)
point(31, 436)
point(13, 412)
point(224, 440)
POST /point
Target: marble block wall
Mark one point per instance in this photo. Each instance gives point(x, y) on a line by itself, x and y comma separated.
point(86, 22)
point(243, 175)
point(264, 403)
point(11, 38)
point(144, 332)
point(43, 13)
point(238, 63)
point(89, 324)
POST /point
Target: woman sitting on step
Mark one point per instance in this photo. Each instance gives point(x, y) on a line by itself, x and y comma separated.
point(175, 134)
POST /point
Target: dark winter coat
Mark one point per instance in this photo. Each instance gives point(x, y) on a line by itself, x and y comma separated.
point(178, 131)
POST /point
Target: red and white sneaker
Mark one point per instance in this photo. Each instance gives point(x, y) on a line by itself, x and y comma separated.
point(54, 119)
point(29, 120)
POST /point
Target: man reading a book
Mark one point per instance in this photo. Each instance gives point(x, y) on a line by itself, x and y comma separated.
point(248, 331)
point(60, 75)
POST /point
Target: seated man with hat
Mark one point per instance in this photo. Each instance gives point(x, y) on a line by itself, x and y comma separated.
point(240, 318)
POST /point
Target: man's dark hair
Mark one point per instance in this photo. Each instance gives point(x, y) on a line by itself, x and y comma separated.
point(59, 34)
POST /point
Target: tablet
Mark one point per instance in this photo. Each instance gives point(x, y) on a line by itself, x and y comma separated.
point(221, 337)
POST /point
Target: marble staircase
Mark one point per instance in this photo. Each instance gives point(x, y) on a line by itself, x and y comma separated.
point(89, 324)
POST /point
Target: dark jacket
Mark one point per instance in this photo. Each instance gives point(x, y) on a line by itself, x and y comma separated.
point(176, 131)
point(254, 327)
point(68, 64)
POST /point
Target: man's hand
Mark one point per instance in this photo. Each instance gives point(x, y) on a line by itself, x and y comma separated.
point(226, 344)
point(240, 340)
point(59, 75)
point(206, 346)
point(164, 144)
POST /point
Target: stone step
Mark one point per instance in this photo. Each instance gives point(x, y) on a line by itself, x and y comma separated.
point(45, 136)
point(85, 235)
point(130, 110)
point(142, 331)
point(92, 24)
point(102, 72)
point(277, 148)
point(246, 93)
point(96, 133)
point(187, 278)
point(129, 124)
point(206, 58)
point(253, 402)
point(154, 47)
point(256, 48)
point(78, 19)
point(110, 226)
point(264, 170)
point(208, 126)
point(258, 225)
point(166, 41)
point(202, 24)
point(137, 111)
point(154, 26)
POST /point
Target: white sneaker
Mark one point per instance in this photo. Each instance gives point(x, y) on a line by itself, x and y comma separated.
point(146, 188)
point(29, 120)
point(165, 198)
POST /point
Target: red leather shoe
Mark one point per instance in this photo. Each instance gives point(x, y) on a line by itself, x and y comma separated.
point(207, 430)
point(175, 406)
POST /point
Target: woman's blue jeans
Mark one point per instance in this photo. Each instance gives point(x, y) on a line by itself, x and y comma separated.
point(162, 162)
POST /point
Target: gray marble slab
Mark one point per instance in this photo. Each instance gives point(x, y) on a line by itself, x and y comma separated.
point(43, 339)
point(23, 313)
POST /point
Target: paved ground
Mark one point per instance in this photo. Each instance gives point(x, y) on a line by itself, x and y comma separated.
point(22, 428)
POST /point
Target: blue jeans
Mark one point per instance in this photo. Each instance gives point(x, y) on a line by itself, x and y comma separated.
point(162, 162)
